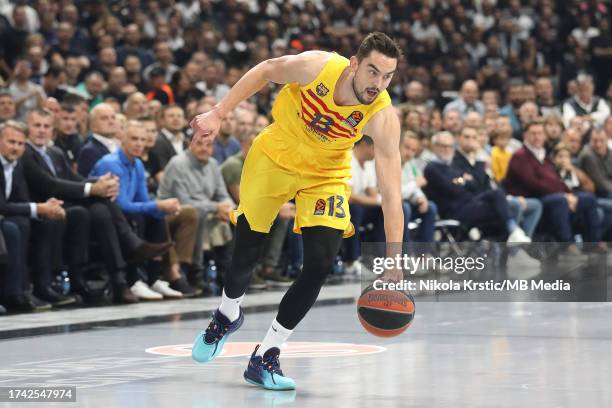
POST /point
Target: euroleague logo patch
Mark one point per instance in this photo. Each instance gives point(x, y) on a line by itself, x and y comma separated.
point(320, 207)
point(354, 118)
point(289, 350)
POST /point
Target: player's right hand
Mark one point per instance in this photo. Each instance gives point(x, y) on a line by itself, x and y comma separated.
point(392, 275)
point(206, 126)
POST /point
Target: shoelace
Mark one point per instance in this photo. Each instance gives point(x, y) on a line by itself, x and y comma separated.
point(272, 365)
point(215, 331)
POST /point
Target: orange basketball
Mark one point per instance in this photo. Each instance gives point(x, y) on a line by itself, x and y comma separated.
point(385, 313)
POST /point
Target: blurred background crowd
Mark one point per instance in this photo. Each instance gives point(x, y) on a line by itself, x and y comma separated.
point(504, 106)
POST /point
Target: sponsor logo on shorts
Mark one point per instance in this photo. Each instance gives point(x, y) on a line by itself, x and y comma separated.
point(320, 207)
point(322, 90)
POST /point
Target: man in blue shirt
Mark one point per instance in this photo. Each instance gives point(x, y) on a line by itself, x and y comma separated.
point(147, 215)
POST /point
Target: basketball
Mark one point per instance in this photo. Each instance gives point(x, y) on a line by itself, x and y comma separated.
point(385, 313)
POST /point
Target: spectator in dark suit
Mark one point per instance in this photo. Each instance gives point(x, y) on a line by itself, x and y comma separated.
point(102, 139)
point(48, 173)
point(466, 162)
point(76, 228)
point(19, 213)
point(455, 193)
point(171, 138)
point(531, 174)
point(67, 135)
point(526, 211)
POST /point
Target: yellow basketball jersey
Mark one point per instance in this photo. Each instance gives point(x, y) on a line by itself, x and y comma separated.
point(312, 135)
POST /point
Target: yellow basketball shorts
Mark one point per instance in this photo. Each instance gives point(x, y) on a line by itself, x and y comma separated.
point(265, 187)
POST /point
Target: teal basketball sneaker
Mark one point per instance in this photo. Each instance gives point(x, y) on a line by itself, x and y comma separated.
point(266, 372)
point(209, 342)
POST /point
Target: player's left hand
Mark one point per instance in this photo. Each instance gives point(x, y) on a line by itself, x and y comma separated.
point(206, 126)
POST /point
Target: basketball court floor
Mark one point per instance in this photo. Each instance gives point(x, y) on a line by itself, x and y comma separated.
point(456, 354)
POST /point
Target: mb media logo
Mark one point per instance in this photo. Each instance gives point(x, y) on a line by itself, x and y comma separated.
point(289, 350)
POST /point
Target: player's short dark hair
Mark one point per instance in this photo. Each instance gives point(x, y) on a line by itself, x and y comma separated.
point(380, 42)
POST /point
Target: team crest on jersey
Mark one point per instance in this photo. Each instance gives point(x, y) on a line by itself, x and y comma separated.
point(320, 207)
point(354, 118)
point(322, 90)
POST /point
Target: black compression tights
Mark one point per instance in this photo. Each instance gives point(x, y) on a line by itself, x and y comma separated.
point(321, 245)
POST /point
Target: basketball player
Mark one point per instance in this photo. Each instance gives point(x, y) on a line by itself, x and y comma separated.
point(326, 105)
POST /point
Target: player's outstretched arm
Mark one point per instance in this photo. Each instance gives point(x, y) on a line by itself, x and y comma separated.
point(384, 129)
point(302, 68)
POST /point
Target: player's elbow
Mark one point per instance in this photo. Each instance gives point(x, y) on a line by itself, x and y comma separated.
point(279, 70)
point(268, 68)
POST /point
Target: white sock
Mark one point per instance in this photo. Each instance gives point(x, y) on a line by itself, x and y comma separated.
point(275, 337)
point(230, 307)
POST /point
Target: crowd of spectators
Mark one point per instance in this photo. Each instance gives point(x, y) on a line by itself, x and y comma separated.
point(504, 106)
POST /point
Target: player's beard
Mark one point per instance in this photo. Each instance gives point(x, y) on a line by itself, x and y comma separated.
point(359, 96)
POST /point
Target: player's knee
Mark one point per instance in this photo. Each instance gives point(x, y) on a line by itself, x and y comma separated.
point(320, 260)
